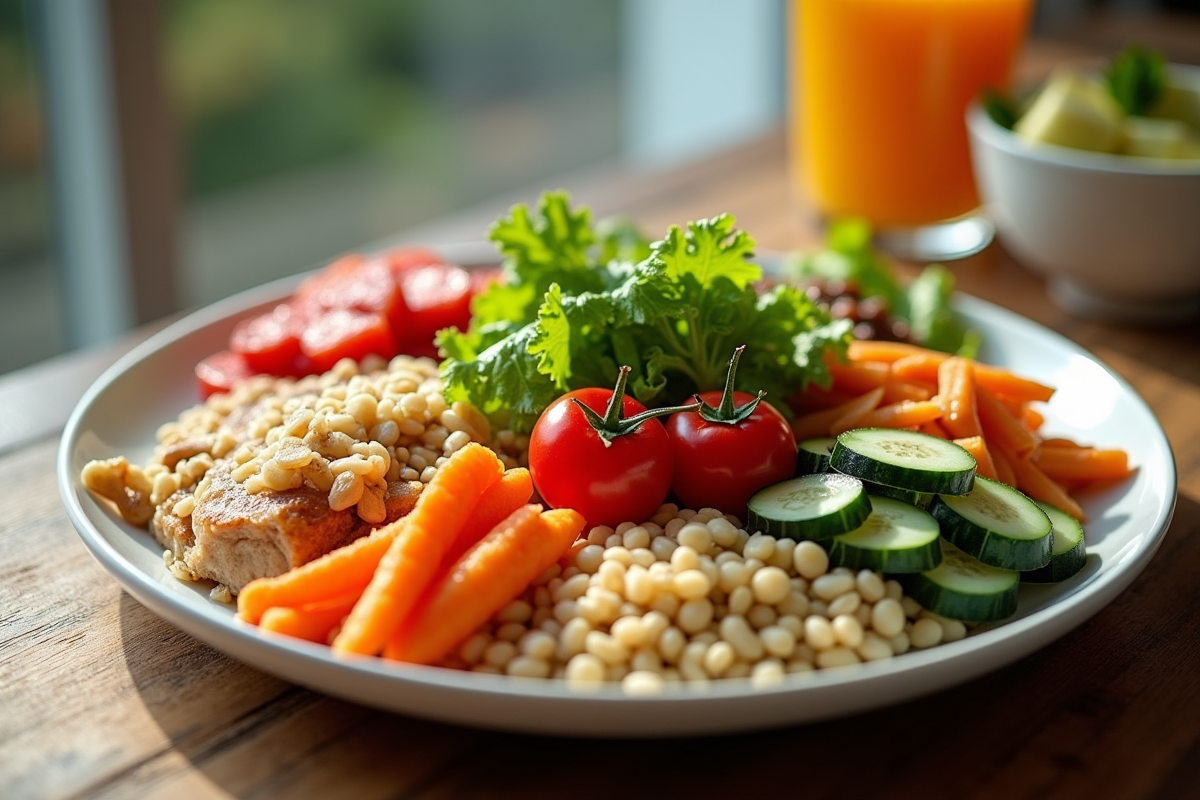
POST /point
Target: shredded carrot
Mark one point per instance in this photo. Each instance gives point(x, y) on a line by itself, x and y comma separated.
point(977, 447)
point(904, 414)
point(503, 497)
point(933, 428)
point(1001, 427)
point(818, 423)
point(913, 363)
point(896, 390)
point(1038, 485)
point(336, 573)
point(878, 350)
point(484, 580)
point(312, 622)
point(415, 555)
point(814, 398)
point(956, 394)
point(1004, 470)
point(1082, 463)
point(858, 377)
point(1058, 441)
point(919, 367)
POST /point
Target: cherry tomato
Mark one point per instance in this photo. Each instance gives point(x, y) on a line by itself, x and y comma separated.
point(220, 371)
point(729, 449)
point(623, 480)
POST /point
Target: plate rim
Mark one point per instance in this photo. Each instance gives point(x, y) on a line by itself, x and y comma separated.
point(608, 711)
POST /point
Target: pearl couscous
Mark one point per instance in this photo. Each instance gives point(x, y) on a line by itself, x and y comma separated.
point(691, 596)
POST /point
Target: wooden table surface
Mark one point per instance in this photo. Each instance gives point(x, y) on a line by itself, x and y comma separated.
point(101, 698)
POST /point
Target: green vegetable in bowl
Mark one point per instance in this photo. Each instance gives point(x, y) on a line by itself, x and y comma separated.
point(1137, 78)
point(1137, 107)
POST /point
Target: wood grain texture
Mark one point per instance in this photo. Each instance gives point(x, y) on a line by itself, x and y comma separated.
point(100, 698)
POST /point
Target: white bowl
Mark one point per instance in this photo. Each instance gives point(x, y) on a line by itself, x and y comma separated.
point(1117, 237)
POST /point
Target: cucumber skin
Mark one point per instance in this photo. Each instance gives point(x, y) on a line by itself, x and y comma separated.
point(955, 605)
point(805, 530)
point(869, 470)
point(842, 554)
point(995, 551)
point(1061, 566)
point(919, 499)
point(810, 463)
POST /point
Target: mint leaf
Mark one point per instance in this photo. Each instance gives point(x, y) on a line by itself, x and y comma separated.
point(1001, 108)
point(708, 249)
point(1137, 78)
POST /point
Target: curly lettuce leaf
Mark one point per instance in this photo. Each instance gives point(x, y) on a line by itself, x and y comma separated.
point(674, 317)
point(708, 249)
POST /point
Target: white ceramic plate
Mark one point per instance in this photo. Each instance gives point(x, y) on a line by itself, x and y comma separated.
point(152, 384)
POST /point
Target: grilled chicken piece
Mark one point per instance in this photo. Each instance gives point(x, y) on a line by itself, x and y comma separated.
point(233, 537)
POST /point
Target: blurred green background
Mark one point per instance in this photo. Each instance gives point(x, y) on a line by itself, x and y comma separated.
point(308, 127)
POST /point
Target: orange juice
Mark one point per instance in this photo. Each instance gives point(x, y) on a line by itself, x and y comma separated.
point(880, 88)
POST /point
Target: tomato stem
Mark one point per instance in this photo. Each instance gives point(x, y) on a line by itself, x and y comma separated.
point(729, 413)
point(614, 423)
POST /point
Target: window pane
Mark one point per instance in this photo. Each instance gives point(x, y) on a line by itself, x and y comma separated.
point(30, 318)
point(313, 127)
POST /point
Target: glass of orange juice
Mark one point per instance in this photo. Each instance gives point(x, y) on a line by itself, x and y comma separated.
point(879, 94)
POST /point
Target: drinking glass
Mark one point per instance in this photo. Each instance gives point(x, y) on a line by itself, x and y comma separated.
point(879, 95)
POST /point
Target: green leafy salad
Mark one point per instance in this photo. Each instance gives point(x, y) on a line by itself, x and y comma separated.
point(576, 302)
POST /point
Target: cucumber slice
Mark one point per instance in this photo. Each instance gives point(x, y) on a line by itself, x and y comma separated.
point(897, 537)
point(997, 525)
point(809, 507)
point(1069, 553)
point(918, 499)
point(904, 460)
point(964, 588)
point(812, 455)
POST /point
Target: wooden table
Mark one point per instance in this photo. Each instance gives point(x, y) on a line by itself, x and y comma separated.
point(99, 697)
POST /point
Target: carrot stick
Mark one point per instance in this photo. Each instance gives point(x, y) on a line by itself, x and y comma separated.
point(1004, 470)
point(1058, 441)
point(338, 572)
point(312, 622)
point(1080, 463)
point(814, 398)
point(896, 390)
point(484, 580)
point(1003, 383)
point(933, 428)
point(503, 497)
point(877, 350)
point(956, 394)
point(414, 557)
point(899, 415)
point(1000, 426)
point(1035, 483)
point(1031, 419)
point(922, 365)
point(984, 465)
point(818, 423)
point(858, 377)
